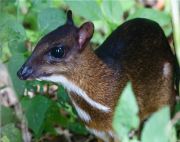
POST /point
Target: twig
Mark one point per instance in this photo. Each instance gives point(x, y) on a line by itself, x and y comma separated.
point(175, 8)
point(175, 118)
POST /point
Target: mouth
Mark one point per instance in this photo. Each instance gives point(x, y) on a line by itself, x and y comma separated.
point(27, 77)
point(32, 75)
point(44, 75)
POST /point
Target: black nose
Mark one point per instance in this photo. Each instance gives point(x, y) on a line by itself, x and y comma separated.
point(24, 72)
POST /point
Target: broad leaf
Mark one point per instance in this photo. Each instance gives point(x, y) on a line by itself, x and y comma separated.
point(113, 11)
point(62, 95)
point(14, 64)
point(54, 117)
point(87, 9)
point(127, 5)
point(11, 133)
point(11, 29)
point(11, 34)
point(7, 115)
point(156, 128)
point(49, 19)
point(38, 5)
point(160, 17)
point(35, 111)
point(4, 139)
point(77, 128)
point(126, 113)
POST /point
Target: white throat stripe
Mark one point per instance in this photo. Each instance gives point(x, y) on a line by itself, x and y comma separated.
point(81, 113)
point(100, 134)
point(70, 86)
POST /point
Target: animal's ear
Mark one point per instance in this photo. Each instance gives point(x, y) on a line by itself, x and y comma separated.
point(85, 32)
point(69, 19)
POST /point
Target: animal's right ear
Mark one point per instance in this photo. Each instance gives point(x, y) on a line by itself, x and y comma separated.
point(85, 32)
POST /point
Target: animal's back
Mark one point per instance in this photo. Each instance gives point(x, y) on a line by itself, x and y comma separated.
point(140, 50)
point(135, 38)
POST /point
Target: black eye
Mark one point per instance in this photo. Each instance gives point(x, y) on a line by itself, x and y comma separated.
point(57, 52)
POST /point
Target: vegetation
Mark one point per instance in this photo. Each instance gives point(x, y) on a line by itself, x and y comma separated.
point(41, 111)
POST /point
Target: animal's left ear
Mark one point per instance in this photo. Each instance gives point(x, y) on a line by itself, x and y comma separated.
point(85, 32)
point(69, 19)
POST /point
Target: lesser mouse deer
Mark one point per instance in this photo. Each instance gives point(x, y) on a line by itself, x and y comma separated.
point(136, 51)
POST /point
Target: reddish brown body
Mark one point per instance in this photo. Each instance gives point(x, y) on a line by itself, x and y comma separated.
point(136, 51)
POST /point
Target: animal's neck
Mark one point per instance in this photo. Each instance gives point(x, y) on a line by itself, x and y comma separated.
point(94, 77)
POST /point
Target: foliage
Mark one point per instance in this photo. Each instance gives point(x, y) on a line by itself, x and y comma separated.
point(23, 23)
point(126, 116)
point(154, 132)
point(11, 133)
point(157, 128)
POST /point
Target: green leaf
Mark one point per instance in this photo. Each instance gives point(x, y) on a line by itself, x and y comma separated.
point(160, 17)
point(177, 109)
point(126, 113)
point(77, 128)
point(11, 34)
point(35, 111)
point(127, 5)
point(133, 140)
point(11, 29)
point(62, 95)
point(33, 36)
point(38, 5)
point(87, 9)
point(155, 129)
point(5, 53)
point(54, 117)
point(101, 26)
point(11, 133)
point(49, 19)
point(173, 135)
point(7, 115)
point(15, 62)
point(113, 11)
point(4, 139)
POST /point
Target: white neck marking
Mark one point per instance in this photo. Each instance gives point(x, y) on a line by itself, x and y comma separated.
point(100, 134)
point(81, 113)
point(70, 86)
